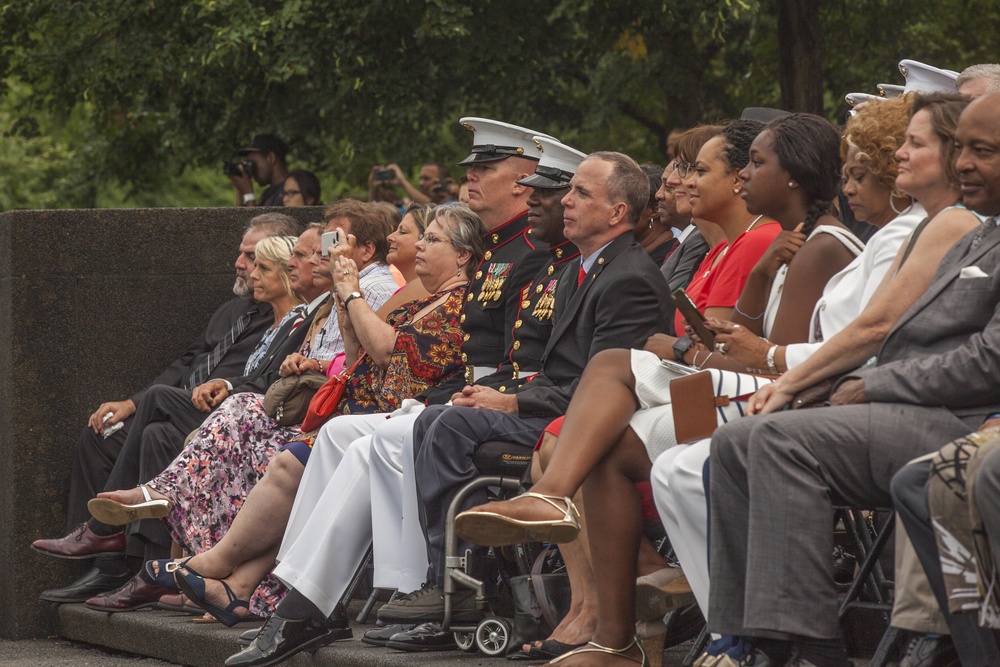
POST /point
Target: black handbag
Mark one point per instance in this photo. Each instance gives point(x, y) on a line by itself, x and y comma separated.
point(541, 601)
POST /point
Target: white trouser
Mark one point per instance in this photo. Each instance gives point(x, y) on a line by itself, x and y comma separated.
point(331, 531)
point(679, 492)
point(400, 550)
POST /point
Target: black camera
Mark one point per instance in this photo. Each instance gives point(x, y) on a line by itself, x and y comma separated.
point(384, 175)
point(234, 168)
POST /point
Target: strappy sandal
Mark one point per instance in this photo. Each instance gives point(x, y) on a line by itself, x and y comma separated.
point(491, 529)
point(114, 513)
point(192, 585)
point(592, 647)
point(164, 575)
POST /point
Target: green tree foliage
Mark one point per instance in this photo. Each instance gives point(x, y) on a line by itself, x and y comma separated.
point(139, 101)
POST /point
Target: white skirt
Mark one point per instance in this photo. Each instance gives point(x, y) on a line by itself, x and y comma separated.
point(654, 421)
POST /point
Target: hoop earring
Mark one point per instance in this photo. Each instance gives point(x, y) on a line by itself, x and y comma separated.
point(892, 205)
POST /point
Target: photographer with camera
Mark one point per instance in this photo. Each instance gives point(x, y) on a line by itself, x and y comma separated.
point(262, 161)
point(433, 182)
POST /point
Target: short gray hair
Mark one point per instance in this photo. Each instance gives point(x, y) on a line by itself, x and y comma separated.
point(989, 71)
point(466, 231)
point(627, 183)
point(275, 224)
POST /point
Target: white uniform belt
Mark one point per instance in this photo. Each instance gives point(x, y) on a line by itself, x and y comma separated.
point(479, 372)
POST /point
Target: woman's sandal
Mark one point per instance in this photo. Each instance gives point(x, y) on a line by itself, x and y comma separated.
point(491, 529)
point(114, 513)
point(592, 647)
point(164, 575)
point(192, 585)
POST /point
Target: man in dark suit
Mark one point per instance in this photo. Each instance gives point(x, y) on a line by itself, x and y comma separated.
point(774, 478)
point(616, 298)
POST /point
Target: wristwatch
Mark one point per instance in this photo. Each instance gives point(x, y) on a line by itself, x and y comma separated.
point(351, 297)
point(682, 345)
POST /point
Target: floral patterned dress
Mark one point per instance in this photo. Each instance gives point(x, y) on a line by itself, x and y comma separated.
point(211, 477)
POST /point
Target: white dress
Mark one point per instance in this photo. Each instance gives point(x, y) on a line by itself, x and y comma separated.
point(654, 421)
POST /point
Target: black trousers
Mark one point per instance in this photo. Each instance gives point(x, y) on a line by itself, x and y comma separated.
point(975, 645)
point(93, 461)
point(445, 438)
point(162, 421)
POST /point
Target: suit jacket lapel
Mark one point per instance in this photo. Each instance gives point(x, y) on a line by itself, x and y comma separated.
point(951, 273)
point(568, 315)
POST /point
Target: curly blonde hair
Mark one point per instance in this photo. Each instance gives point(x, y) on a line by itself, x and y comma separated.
point(877, 131)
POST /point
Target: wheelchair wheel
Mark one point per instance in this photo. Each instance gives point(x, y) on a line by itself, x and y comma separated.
point(493, 636)
point(466, 641)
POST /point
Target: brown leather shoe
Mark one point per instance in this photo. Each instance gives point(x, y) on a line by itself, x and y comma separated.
point(136, 594)
point(82, 542)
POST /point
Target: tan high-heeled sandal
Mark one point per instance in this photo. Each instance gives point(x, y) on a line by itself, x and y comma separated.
point(489, 528)
point(114, 513)
point(593, 647)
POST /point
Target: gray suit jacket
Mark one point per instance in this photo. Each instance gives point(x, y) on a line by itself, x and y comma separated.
point(945, 350)
point(681, 265)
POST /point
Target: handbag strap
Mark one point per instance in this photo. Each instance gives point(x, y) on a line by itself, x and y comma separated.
point(538, 584)
point(350, 371)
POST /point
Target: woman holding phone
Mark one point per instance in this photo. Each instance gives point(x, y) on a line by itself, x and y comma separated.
point(793, 177)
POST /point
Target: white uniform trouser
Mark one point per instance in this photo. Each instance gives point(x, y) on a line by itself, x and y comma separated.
point(338, 509)
point(679, 492)
point(399, 546)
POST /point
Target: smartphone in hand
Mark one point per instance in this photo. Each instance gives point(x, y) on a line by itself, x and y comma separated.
point(693, 316)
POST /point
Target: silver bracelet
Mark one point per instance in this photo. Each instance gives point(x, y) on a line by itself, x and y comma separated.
point(736, 307)
point(770, 360)
point(694, 360)
point(704, 362)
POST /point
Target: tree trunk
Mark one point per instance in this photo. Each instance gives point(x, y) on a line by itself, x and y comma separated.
point(801, 55)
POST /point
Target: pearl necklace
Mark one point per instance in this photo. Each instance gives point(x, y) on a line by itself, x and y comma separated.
point(726, 249)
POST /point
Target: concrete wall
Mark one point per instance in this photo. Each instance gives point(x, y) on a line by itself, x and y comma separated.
point(93, 305)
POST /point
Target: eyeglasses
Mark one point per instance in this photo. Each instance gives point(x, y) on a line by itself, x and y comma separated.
point(684, 168)
point(430, 239)
point(292, 193)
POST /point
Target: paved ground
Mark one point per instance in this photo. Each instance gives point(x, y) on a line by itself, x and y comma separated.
point(57, 652)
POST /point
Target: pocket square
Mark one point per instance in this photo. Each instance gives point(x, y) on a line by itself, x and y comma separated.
point(972, 272)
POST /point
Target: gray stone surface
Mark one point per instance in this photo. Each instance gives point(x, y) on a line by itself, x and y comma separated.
point(93, 305)
point(172, 636)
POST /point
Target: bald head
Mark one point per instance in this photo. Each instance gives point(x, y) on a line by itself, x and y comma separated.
point(978, 164)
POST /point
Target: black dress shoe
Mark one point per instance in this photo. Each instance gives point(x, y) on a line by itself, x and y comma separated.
point(94, 582)
point(425, 637)
point(280, 638)
point(381, 636)
point(760, 659)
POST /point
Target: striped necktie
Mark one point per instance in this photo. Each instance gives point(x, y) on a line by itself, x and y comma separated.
point(201, 372)
point(989, 224)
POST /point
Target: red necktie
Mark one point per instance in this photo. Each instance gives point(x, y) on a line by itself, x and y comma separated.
point(580, 277)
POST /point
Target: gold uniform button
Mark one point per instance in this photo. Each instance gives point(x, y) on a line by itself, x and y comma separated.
point(538, 290)
point(550, 270)
point(469, 298)
point(517, 325)
point(496, 237)
point(465, 357)
point(479, 274)
point(466, 337)
point(559, 253)
point(488, 256)
point(525, 303)
point(517, 344)
point(503, 388)
point(462, 318)
point(600, 260)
